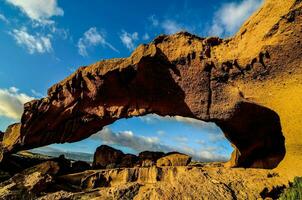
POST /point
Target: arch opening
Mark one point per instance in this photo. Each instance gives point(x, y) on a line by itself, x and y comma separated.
point(203, 141)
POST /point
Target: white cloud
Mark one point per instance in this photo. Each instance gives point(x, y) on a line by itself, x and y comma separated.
point(129, 139)
point(11, 102)
point(216, 137)
point(143, 143)
point(171, 26)
point(168, 26)
point(36, 94)
point(128, 39)
point(161, 132)
point(153, 118)
point(211, 156)
point(230, 16)
point(154, 21)
point(3, 18)
point(34, 43)
point(92, 38)
point(181, 139)
point(37, 10)
point(146, 36)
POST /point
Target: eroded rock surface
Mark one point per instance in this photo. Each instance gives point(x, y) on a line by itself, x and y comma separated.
point(175, 183)
point(29, 183)
point(242, 84)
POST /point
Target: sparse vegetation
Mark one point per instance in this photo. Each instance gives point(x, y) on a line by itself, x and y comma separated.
point(294, 192)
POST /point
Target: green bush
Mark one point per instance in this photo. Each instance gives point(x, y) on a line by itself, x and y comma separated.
point(294, 192)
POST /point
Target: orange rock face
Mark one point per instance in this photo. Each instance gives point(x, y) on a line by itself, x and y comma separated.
point(237, 83)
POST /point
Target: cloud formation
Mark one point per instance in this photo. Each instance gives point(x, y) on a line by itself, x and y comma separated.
point(92, 37)
point(230, 16)
point(170, 26)
point(153, 118)
point(37, 10)
point(11, 102)
point(37, 94)
point(3, 18)
point(142, 143)
point(33, 43)
point(129, 139)
point(129, 39)
point(146, 36)
point(154, 21)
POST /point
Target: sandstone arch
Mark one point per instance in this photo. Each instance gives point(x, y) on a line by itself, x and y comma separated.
point(91, 98)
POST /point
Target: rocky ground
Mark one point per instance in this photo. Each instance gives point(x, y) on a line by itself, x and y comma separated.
point(150, 175)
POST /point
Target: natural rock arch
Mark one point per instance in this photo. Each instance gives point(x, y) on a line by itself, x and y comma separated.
point(156, 79)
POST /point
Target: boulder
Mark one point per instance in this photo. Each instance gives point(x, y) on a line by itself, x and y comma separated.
point(64, 164)
point(174, 159)
point(79, 166)
point(150, 155)
point(12, 137)
point(129, 160)
point(106, 157)
point(149, 158)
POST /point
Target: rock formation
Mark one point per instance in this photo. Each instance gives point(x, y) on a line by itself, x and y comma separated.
point(174, 159)
point(30, 182)
point(129, 160)
point(149, 158)
point(106, 157)
point(245, 84)
point(79, 166)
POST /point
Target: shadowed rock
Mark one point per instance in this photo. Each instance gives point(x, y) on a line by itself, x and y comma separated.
point(79, 166)
point(106, 157)
point(129, 160)
point(149, 158)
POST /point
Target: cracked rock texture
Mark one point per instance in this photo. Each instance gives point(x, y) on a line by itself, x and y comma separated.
point(249, 85)
point(206, 182)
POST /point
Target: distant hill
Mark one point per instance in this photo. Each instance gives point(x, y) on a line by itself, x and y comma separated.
point(53, 152)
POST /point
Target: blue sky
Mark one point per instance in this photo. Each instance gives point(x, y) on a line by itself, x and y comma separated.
point(42, 42)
